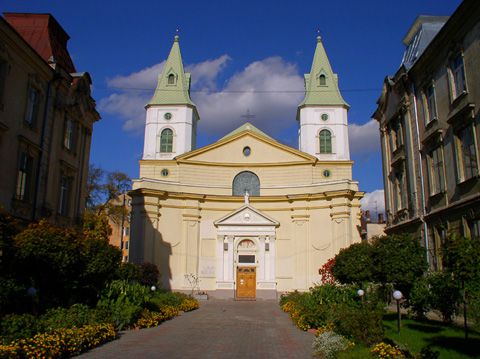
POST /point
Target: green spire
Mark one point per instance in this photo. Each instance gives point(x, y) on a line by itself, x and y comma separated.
point(321, 84)
point(173, 87)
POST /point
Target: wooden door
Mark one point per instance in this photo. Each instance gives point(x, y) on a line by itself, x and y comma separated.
point(246, 282)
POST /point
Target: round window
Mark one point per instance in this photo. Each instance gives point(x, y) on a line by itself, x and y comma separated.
point(326, 173)
point(165, 172)
point(167, 116)
point(246, 151)
point(324, 116)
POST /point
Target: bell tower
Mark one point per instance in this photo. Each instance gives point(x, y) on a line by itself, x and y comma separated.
point(171, 119)
point(322, 115)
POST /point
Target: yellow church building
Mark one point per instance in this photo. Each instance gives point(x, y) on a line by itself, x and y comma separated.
point(250, 216)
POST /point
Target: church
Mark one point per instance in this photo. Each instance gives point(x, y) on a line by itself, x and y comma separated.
point(248, 215)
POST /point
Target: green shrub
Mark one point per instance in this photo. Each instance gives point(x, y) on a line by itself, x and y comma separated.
point(445, 294)
point(160, 300)
point(420, 300)
point(149, 274)
point(362, 322)
point(17, 326)
point(77, 315)
point(398, 260)
point(354, 264)
point(129, 272)
point(121, 315)
point(328, 344)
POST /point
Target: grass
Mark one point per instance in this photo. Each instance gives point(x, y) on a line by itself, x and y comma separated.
point(414, 335)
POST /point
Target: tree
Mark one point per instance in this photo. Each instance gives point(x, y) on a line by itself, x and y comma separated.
point(354, 264)
point(103, 187)
point(399, 260)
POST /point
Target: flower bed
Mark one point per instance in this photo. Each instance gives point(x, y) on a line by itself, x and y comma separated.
point(59, 343)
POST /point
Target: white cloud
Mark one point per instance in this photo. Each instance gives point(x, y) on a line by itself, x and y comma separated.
point(260, 87)
point(374, 201)
point(364, 138)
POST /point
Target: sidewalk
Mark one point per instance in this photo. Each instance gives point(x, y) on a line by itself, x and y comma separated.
point(219, 329)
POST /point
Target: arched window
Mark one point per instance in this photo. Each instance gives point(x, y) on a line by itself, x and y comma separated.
point(325, 141)
point(246, 182)
point(166, 141)
point(323, 80)
point(171, 79)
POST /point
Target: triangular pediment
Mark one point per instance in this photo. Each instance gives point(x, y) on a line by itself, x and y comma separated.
point(262, 150)
point(246, 216)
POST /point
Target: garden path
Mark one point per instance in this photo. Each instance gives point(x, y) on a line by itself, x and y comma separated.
point(219, 329)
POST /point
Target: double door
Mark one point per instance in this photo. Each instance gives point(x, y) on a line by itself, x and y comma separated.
point(246, 283)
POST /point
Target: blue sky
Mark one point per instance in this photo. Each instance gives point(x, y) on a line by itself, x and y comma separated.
point(234, 45)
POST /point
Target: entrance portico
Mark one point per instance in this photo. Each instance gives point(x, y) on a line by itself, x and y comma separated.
point(246, 240)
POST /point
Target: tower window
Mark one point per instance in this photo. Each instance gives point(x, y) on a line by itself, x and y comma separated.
point(166, 141)
point(325, 141)
point(171, 79)
point(323, 80)
point(246, 182)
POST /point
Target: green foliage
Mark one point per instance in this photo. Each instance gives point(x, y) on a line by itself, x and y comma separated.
point(76, 316)
point(354, 264)
point(361, 322)
point(445, 294)
point(160, 300)
point(399, 260)
point(331, 294)
point(460, 257)
point(420, 300)
point(129, 272)
point(16, 326)
point(149, 274)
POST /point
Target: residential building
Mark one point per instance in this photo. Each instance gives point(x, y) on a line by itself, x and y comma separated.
point(250, 216)
point(429, 127)
point(46, 119)
point(119, 221)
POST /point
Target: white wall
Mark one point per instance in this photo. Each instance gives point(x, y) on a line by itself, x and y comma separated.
point(181, 124)
point(311, 124)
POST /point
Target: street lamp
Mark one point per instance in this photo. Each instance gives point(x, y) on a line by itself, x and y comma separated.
point(361, 293)
point(397, 295)
point(153, 288)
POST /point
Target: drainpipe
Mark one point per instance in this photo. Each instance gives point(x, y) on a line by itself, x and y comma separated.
point(422, 187)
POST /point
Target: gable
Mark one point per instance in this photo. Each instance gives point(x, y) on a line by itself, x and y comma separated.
point(263, 150)
point(246, 216)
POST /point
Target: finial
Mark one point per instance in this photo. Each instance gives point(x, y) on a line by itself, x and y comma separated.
point(319, 38)
point(176, 37)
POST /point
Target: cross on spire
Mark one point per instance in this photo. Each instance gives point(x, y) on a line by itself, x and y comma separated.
point(248, 116)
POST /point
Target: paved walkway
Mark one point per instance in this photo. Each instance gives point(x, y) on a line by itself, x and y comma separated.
point(219, 329)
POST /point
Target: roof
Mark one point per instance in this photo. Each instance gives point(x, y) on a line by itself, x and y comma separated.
point(247, 126)
point(177, 93)
point(45, 35)
point(316, 94)
point(419, 36)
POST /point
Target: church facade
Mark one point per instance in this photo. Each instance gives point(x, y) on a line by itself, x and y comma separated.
point(249, 216)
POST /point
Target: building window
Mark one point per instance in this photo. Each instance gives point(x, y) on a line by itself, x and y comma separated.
point(166, 141)
point(435, 171)
point(24, 177)
point(322, 80)
point(64, 200)
point(246, 182)
point(474, 228)
point(32, 106)
point(325, 138)
point(466, 154)
point(430, 105)
point(171, 79)
point(399, 191)
point(457, 73)
point(69, 134)
point(395, 132)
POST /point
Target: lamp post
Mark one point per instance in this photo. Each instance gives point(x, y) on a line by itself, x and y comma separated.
point(361, 293)
point(397, 295)
point(153, 288)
